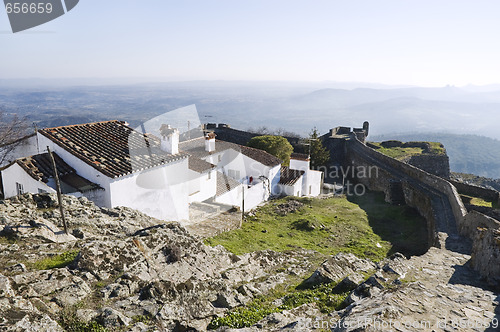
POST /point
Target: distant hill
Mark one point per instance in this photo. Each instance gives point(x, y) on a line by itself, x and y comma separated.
point(472, 154)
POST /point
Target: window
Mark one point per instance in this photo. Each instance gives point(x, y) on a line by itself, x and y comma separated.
point(41, 191)
point(19, 188)
point(235, 174)
point(310, 190)
point(209, 175)
point(219, 158)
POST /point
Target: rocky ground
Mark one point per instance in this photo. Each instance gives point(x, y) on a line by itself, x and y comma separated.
point(133, 273)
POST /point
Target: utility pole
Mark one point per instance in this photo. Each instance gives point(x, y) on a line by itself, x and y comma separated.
point(243, 204)
point(58, 189)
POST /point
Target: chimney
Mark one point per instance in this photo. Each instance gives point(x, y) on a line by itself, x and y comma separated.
point(299, 161)
point(169, 139)
point(210, 142)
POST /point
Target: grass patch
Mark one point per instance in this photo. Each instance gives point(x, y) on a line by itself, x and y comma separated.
point(56, 261)
point(71, 323)
point(328, 226)
point(402, 152)
point(478, 201)
point(323, 295)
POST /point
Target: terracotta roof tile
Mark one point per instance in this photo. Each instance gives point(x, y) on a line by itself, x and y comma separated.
point(196, 147)
point(225, 183)
point(299, 156)
point(39, 167)
point(289, 176)
point(199, 165)
point(111, 147)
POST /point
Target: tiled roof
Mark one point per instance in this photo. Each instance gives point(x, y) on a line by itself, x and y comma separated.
point(39, 167)
point(299, 156)
point(199, 165)
point(196, 147)
point(111, 147)
point(225, 183)
point(289, 176)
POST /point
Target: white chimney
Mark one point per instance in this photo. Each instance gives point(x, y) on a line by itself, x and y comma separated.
point(169, 139)
point(300, 162)
point(210, 142)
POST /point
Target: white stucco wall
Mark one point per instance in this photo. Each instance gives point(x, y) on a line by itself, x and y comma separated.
point(254, 196)
point(290, 190)
point(161, 192)
point(206, 183)
point(301, 165)
point(16, 173)
point(232, 197)
point(312, 183)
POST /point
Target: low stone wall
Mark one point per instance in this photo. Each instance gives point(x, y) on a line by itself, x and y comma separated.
point(485, 254)
point(476, 191)
point(474, 220)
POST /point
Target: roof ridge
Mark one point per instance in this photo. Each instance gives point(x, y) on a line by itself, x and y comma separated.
point(88, 123)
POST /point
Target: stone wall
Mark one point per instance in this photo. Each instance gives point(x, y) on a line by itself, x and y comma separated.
point(435, 164)
point(226, 133)
point(485, 257)
point(423, 191)
point(476, 191)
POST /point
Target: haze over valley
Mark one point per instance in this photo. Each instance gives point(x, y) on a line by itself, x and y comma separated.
point(405, 113)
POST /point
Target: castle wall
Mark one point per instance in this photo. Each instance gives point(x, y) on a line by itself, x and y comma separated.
point(228, 134)
point(428, 193)
point(485, 254)
point(435, 164)
point(475, 191)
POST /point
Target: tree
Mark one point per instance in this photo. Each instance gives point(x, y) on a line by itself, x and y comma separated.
point(12, 129)
point(276, 145)
point(319, 155)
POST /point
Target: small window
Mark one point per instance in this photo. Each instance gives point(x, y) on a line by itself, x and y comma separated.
point(19, 188)
point(219, 157)
point(235, 174)
point(298, 193)
point(209, 175)
point(41, 191)
point(310, 190)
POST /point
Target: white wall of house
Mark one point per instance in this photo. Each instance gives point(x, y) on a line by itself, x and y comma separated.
point(232, 197)
point(312, 183)
point(83, 169)
point(312, 179)
point(254, 195)
point(274, 177)
point(160, 192)
point(291, 190)
point(202, 186)
point(27, 147)
point(240, 167)
point(15, 174)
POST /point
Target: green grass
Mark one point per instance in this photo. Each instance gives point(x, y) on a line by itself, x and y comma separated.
point(365, 226)
point(477, 201)
point(56, 261)
point(404, 152)
point(324, 295)
point(69, 321)
point(437, 148)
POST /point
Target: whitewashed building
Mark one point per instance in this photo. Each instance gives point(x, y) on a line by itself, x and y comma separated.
point(115, 165)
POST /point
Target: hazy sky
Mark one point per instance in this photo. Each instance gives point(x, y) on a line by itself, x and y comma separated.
point(422, 42)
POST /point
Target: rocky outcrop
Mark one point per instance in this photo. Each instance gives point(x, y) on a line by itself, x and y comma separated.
point(129, 268)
